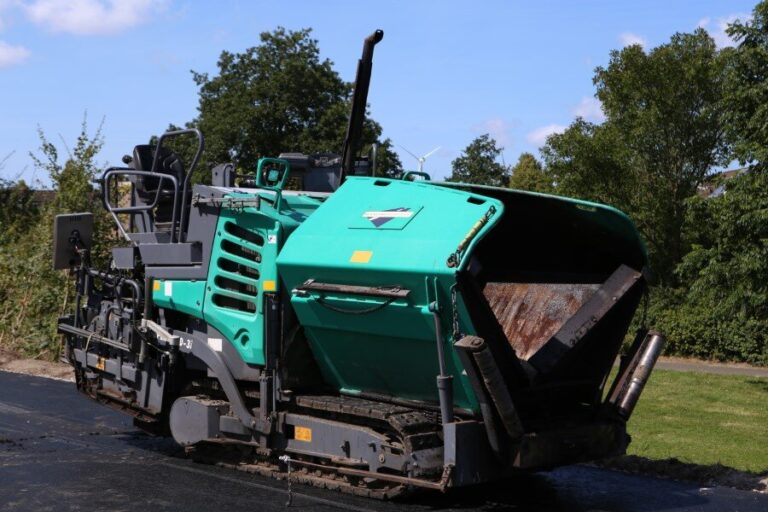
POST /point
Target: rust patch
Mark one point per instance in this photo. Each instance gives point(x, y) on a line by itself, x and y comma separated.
point(531, 313)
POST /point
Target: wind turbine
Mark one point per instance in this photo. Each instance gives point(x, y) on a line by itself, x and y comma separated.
point(420, 159)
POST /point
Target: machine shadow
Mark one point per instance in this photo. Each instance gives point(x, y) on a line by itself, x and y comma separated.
point(572, 489)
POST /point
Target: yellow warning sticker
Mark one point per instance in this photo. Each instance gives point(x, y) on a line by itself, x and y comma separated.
point(302, 434)
point(361, 257)
point(101, 363)
point(156, 286)
point(270, 286)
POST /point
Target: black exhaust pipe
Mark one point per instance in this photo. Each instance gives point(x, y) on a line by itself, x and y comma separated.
point(359, 101)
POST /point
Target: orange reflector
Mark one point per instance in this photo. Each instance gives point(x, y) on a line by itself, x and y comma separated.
point(302, 434)
point(361, 257)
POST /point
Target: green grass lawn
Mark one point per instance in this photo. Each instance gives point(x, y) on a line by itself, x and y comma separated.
point(702, 418)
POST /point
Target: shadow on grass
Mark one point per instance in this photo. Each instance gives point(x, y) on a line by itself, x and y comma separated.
point(761, 384)
point(710, 475)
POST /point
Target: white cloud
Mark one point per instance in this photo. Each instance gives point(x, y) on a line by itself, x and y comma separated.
point(716, 28)
point(92, 17)
point(539, 135)
point(590, 109)
point(628, 39)
point(496, 128)
point(11, 55)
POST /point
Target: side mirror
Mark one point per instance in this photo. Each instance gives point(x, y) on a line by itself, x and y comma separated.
point(72, 232)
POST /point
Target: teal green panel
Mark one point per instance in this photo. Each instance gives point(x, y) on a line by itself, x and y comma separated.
point(184, 296)
point(242, 268)
point(440, 218)
point(391, 351)
point(375, 232)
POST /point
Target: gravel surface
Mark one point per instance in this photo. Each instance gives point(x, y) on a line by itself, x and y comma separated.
point(58, 371)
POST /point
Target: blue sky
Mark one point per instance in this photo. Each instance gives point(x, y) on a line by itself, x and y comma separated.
point(446, 72)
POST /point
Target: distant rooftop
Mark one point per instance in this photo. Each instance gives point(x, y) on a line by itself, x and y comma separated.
point(714, 186)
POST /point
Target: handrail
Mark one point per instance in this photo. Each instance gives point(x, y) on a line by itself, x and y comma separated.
point(127, 171)
point(277, 188)
point(188, 174)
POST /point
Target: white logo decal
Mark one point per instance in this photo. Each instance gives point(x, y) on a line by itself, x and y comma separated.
point(383, 216)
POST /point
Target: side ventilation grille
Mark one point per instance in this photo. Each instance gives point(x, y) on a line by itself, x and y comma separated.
point(236, 283)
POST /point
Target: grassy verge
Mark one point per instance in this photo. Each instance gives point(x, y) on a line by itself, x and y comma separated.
point(703, 419)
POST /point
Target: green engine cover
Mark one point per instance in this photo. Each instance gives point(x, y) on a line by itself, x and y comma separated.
point(242, 268)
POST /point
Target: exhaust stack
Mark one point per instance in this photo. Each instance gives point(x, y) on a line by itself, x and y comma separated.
point(359, 101)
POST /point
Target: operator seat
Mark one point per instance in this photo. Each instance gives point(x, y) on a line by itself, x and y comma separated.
point(147, 187)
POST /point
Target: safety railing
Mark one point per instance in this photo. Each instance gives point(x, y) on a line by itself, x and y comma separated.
point(113, 172)
point(179, 216)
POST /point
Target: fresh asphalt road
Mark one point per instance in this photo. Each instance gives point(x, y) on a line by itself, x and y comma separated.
point(60, 451)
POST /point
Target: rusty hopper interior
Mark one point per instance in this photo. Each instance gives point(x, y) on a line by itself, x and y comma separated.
point(552, 290)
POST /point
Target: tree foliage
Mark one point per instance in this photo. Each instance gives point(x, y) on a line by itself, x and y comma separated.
point(528, 174)
point(478, 164)
point(720, 308)
point(32, 294)
point(721, 311)
point(279, 96)
point(663, 133)
point(72, 179)
point(17, 207)
point(746, 95)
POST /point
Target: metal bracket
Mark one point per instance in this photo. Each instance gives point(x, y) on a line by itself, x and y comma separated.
point(199, 348)
point(232, 203)
point(576, 328)
point(161, 332)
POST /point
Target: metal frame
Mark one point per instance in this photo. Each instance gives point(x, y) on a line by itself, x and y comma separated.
point(127, 171)
point(178, 231)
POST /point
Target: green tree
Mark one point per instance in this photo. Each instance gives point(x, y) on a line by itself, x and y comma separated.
point(721, 310)
point(73, 179)
point(528, 174)
point(32, 293)
point(663, 134)
point(746, 94)
point(478, 164)
point(279, 96)
point(590, 161)
point(17, 209)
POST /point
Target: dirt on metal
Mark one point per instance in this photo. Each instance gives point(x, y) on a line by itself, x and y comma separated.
point(531, 313)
